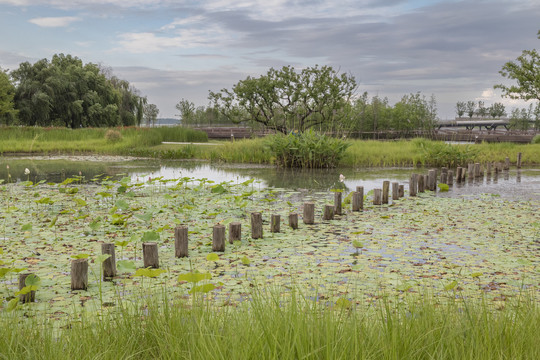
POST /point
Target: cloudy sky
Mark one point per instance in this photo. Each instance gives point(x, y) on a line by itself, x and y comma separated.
point(171, 50)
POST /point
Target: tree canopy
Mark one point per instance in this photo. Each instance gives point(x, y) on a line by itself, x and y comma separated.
point(66, 92)
point(286, 100)
point(526, 72)
point(7, 105)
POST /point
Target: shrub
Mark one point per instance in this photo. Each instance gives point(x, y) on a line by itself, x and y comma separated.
point(536, 139)
point(306, 150)
point(435, 153)
point(113, 136)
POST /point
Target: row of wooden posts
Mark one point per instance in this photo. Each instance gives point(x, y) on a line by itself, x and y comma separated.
point(418, 183)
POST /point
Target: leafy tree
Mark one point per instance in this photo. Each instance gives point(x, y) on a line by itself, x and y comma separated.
point(526, 72)
point(497, 110)
point(414, 112)
point(521, 119)
point(471, 108)
point(64, 92)
point(286, 100)
point(482, 110)
point(187, 111)
point(461, 108)
point(7, 106)
point(151, 112)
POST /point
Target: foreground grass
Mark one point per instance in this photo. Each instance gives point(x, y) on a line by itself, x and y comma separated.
point(272, 326)
point(146, 142)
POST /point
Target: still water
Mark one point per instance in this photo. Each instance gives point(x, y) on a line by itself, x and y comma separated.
point(514, 184)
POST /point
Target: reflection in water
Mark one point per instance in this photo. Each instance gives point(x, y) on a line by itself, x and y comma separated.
point(311, 180)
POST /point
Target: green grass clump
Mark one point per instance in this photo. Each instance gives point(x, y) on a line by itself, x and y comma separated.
point(536, 139)
point(287, 326)
point(306, 150)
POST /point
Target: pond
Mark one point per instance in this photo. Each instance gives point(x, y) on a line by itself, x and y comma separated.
point(513, 184)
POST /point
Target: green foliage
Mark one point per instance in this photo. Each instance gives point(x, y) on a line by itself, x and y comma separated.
point(286, 100)
point(306, 150)
point(441, 154)
point(526, 72)
point(64, 92)
point(535, 139)
point(7, 105)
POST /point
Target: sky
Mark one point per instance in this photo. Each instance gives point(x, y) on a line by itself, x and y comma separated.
point(173, 50)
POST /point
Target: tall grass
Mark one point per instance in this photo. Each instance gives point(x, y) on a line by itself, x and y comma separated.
point(47, 140)
point(290, 326)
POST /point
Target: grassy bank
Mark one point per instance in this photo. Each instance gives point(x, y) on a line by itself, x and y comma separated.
point(146, 142)
point(273, 327)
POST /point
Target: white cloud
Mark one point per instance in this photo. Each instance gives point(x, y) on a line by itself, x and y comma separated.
point(54, 21)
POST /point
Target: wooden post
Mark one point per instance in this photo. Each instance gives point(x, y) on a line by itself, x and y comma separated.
point(432, 180)
point(337, 203)
point(507, 163)
point(476, 170)
point(385, 191)
point(256, 225)
point(328, 212)
point(293, 221)
point(450, 177)
point(395, 191)
point(459, 174)
point(235, 232)
point(109, 265)
point(79, 274)
point(377, 197)
point(218, 238)
point(421, 183)
point(444, 170)
point(401, 191)
point(150, 255)
point(444, 177)
point(413, 185)
point(488, 168)
point(356, 201)
point(518, 164)
point(275, 223)
point(181, 241)
point(309, 213)
point(360, 191)
point(29, 297)
point(470, 171)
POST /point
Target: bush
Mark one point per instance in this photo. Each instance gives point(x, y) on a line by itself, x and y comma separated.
point(113, 136)
point(435, 153)
point(536, 139)
point(306, 150)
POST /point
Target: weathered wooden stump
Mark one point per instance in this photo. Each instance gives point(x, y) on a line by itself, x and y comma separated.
point(385, 191)
point(507, 163)
point(309, 213)
point(476, 170)
point(256, 225)
point(337, 203)
point(395, 191)
point(181, 241)
point(28, 297)
point(401, 191)
point(518, 163)
point(459, 174)
point(413, 184)
point(450, 177)
point(328, 212)
point(377, 196)
point(488, 168)
point(444, 178)
point(360, 191)
point(150, 255)
point(275, 223)
point(432, 180)
point(355, 201)
point(235, 232)
point(421, 183)
point(79, 274)
point(470, 171)
point(109, 265)
point(218, 238)
point(293, 221)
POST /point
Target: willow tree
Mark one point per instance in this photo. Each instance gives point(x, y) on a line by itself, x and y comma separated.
point(286, 100)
